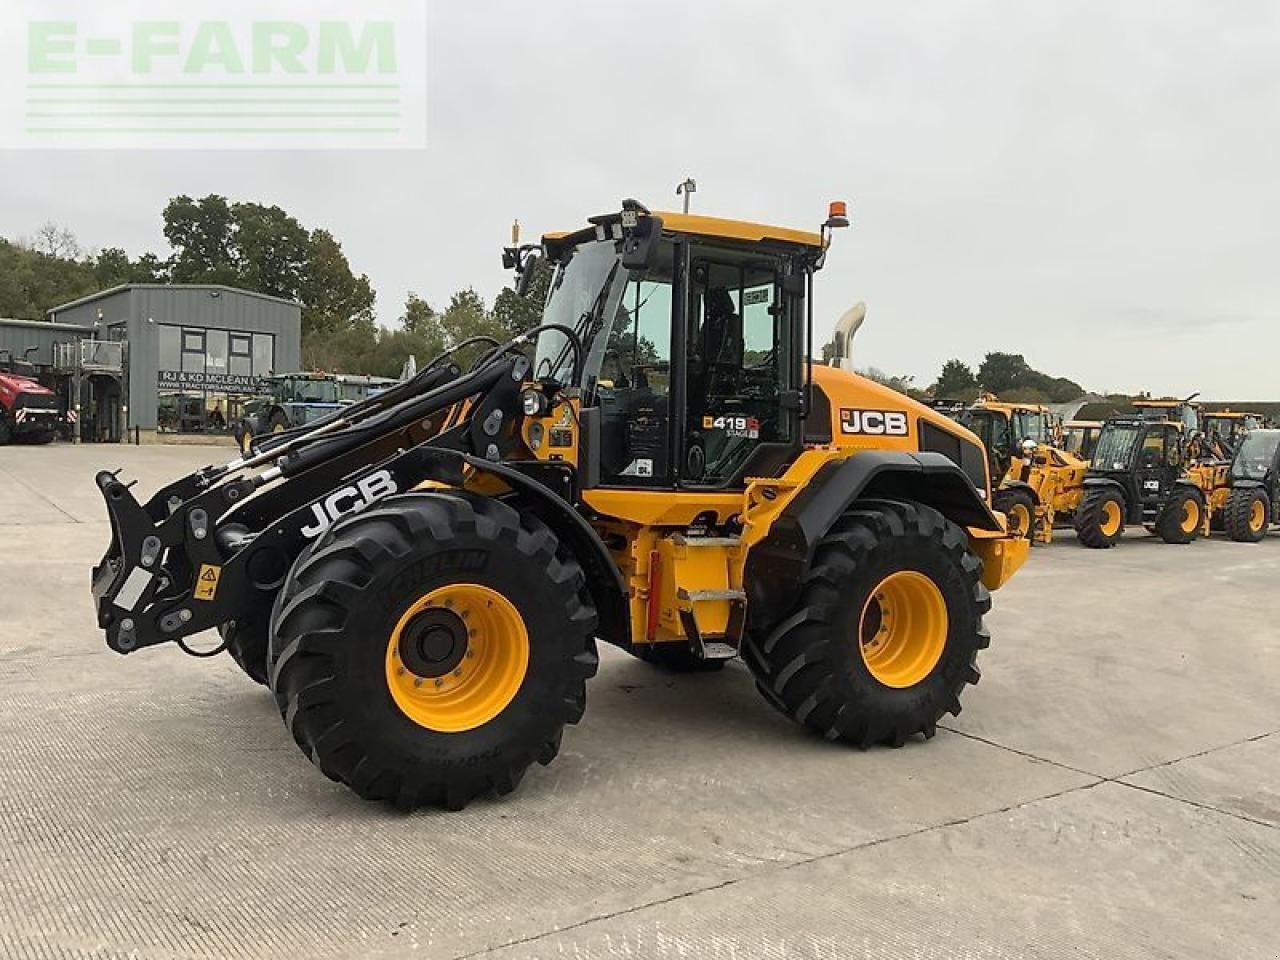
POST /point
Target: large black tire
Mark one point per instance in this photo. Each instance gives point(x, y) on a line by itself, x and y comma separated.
point(1247, 516)
point(279, 423)
point(6, 430)
point(1095, 522)
point(1182, 517)
point(1020, 509)
point(335, 620)
point(247, 640)
point(812, 666)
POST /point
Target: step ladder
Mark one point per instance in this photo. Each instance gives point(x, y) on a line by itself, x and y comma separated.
point(712, 646)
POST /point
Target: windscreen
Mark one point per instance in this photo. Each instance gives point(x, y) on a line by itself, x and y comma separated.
point(1256, 455)
point(1115, 446)
point(584, 296)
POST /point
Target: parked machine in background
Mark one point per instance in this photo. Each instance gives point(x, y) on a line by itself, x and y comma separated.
point(1142, 473)
point(1246, 500)
point(1079, 437)
point(1228, 427)
point(297, 399)
point(421, 576)
point(1036, 481)
point(29, 411)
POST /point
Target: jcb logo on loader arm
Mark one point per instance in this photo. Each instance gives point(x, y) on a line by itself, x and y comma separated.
point(363, 493)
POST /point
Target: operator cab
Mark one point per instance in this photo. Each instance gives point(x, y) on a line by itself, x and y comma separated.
point(1004, 428)
point(712, 322)
point(1258, 456)
point(1145, 455)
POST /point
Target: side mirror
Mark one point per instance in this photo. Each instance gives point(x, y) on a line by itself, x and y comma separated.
point(640, 244)
point(524, 280)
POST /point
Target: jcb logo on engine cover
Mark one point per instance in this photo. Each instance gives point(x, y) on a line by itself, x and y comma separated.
point(363, 493)
point(875, 423)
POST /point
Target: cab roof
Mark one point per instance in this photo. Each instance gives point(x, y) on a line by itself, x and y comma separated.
point(717, 228)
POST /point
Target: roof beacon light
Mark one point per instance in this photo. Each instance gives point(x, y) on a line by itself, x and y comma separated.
point(837, 215)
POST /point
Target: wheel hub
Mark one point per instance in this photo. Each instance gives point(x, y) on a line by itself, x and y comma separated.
point(433, 643)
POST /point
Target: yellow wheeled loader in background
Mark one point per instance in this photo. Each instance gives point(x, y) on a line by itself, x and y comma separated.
point(422, 576)
point(1036, 480)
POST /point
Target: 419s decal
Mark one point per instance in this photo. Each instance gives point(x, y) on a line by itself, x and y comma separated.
point(874, 423)
point(748, 427)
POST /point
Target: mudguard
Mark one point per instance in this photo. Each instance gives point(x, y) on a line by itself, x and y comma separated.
point(777, 566)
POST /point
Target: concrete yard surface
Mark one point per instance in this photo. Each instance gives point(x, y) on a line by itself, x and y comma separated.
point(1111, 789)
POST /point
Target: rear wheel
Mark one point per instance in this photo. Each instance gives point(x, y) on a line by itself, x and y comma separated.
point(1020, 509)
point(1247, 514)
point(279, 422)
point(430, 649)
point(1099, 520)
point(886, 632)
point(1182, 517)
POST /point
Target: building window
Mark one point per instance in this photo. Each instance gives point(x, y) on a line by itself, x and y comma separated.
point(215, 351)
point(264, 348)
point(241, 355)
point(170, 355)
point(193, 341)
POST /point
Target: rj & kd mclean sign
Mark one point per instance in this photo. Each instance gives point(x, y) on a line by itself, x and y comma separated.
point(218, 382)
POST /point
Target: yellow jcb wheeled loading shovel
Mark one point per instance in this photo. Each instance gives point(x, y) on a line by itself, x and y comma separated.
point(421, 577)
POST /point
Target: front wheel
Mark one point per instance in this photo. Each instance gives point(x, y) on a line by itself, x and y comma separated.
point(1099, 519)
point(1181, 517)
point(886, 632)
point(1020, 509)
point(430, 649)
point(1247, 515)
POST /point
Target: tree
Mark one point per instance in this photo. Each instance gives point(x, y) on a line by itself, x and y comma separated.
point(332, 296)
point(1001, 372)
point(418, 317)
point(468, 317)
point(55, 241)
point(201, 233)
point(270, 250)
point(518, 314)
point(955, 382)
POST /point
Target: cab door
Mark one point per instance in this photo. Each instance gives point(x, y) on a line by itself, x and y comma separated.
point(1159, 463)
point(741, 368)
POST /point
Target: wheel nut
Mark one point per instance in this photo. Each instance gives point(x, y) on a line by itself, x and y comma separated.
point(439, 682)
point(417, 681)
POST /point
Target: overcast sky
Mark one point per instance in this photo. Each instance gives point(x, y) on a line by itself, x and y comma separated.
point(1092, 184)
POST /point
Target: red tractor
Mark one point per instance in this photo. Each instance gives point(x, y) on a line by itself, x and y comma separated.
point(28, 410)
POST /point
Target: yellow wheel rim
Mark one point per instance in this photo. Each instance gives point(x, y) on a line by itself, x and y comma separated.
point(246, 441)
point(903, 629)
point(1112, 518)
point(277, 428)
point(457, 657)
point(1257, 516)
point(1190, 516)
point(1019, 518)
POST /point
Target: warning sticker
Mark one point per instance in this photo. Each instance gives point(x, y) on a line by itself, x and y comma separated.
point(207, 584)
